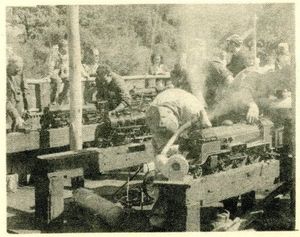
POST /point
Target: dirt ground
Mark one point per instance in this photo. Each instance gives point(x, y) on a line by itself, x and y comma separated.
point(20, 213)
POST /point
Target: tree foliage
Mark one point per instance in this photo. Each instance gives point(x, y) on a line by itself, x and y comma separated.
point(126, 35)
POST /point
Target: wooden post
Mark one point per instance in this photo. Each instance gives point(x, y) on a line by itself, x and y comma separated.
point(75, 79)
point(49, 188)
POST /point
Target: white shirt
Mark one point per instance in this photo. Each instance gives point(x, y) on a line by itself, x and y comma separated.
point(184, 104)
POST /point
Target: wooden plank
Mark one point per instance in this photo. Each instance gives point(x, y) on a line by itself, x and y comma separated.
point(88, 133)
point(143, 77)
point(23, 231)
point(60, 136)
point(113, 158)
point(77, 172)
point(223, 185)
point(55, 137)
point(17, 141)
point(134, 77)
point(64, 161)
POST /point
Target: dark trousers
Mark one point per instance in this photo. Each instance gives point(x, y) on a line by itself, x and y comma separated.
point(64, 94)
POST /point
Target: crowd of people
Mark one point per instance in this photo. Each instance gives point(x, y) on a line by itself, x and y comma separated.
point(225, 76)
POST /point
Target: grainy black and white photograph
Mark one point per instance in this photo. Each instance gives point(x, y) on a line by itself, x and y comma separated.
point(150, 117)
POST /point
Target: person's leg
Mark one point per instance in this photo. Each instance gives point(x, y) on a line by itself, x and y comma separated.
point(64, 95)
point(54, 90)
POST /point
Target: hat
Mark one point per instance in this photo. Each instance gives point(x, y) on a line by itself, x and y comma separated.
point(235, 39)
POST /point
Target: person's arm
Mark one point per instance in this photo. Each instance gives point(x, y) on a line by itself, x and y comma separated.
point(84, 71)
point(124, 93)
point(53, 73)
point(204, 119)
point(25, 91)
point(12, 111)
point(248, 94)
point(151, 71)
point(163, 70)
point(10, 108)
point(224, 72)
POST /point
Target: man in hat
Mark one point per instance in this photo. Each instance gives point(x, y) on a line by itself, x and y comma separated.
point(16, 93)
point(240, 58)
point(112, 88)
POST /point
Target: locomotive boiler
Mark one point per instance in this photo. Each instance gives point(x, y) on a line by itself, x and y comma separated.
point(210, 150)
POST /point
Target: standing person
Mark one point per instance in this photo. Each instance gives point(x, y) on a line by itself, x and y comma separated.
point(283, 58)
point(59, 72)
point(64, 72)
point(54, 70)
point(16, 93)
point(237, 60)
point(90, 66)
point(239, 55)
point(112, 88)
point(158, 68)
point(218, 78)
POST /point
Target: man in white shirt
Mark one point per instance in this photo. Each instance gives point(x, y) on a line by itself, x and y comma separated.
point(171, 109)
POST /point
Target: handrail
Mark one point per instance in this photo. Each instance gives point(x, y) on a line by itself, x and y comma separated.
point(126, 78)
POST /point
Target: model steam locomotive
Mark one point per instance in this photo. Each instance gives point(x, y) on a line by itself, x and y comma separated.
point(216, 149)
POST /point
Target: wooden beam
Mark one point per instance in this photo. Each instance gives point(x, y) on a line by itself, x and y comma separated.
point(126, 78)
point(63, 161)
point(223, 185)
point(18, 142)
point(49, 174)
point(49, 201)
point(113, 158)
point(216, 187)
point(54, 137)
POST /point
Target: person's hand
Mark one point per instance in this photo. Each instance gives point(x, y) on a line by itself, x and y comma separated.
point(112, 113)
point(253, 112)
point(229, 79)
point(204, 119)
